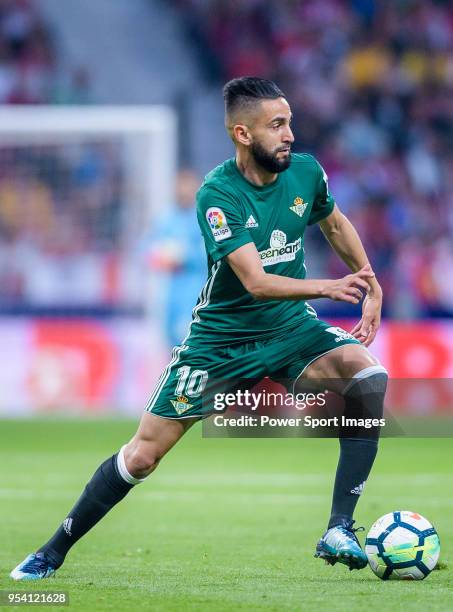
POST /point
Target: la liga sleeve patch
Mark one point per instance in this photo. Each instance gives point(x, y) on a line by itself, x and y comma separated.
point(218, 223)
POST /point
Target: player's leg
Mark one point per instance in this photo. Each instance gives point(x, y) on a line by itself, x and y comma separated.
point(155, 436)
point(175, 404)
point(342, 362)
point(111, 482)
point(352, 371)
point(362, 382)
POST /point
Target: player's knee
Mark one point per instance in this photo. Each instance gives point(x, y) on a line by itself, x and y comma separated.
point(142, 458)
point(368, 385)
point(364, 403)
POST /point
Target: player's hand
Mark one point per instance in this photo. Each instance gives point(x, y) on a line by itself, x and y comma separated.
point(366, 329)
point(349, 288)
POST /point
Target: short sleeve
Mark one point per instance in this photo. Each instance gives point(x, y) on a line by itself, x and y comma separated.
point(221, 223)
point(324, 202)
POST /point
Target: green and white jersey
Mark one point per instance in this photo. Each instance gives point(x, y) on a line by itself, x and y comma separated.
point(232, 212)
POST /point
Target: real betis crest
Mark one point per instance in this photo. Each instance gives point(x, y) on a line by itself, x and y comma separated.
point(299, 206)
point(181, 404)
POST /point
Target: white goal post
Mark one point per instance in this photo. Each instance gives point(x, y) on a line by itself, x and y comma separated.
point(142, 140)
point(80, 186)
point(152, 127)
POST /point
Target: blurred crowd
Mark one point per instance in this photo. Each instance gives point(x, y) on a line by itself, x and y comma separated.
point(62, 224)
point(370, 83)
point(60, 205)
point(29, 69)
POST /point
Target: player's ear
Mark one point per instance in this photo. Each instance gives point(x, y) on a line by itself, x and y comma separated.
point(241, 134)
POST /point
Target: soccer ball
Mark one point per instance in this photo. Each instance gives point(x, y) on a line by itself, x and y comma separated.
point(402, 546)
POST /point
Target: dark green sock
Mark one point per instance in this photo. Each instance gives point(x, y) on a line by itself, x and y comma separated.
point(105, 489)
point(355, 463)
point(364, 399)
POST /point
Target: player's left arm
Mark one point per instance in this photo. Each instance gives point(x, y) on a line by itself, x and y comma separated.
point(346, 242)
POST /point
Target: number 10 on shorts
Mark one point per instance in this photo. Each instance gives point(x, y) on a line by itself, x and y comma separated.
point(190, 383)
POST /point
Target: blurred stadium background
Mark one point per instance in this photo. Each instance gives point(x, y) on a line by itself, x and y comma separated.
point(111, 113)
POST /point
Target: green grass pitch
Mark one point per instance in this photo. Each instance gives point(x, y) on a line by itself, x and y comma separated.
point(223, 524)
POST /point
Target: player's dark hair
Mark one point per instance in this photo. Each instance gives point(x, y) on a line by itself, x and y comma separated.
point(246, 91)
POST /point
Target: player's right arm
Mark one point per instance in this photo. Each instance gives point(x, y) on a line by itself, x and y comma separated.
point(226, 237)
point(246, 264)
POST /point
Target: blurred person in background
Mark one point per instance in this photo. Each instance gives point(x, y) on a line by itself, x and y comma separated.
point(175, 250)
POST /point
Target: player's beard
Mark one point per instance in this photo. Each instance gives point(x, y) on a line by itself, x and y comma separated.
point(269, 161)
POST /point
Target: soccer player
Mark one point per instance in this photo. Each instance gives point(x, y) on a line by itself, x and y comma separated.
point(251, 319)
